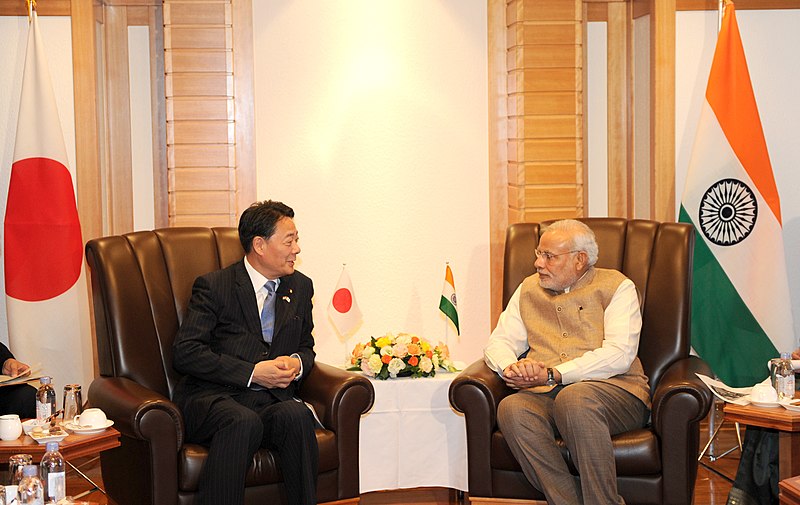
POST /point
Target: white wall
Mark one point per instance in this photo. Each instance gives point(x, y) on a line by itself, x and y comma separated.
point(371, 122)
point(770, 39)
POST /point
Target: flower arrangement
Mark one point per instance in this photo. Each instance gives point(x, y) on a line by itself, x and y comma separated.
point(403, 355)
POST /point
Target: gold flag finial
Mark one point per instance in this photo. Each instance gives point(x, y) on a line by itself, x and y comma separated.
point(31, 4)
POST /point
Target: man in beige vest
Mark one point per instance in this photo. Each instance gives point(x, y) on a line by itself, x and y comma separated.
point(580, 380)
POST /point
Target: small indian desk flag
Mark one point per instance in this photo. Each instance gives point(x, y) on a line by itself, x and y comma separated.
point(343, 309)
point(448, 304)
point(741, 313)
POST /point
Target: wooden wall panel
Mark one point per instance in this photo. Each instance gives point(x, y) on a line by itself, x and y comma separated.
point(204, 177)
point(201, 108)
point(545, 84)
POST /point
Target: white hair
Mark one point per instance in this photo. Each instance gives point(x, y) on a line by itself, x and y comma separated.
point(583, 238)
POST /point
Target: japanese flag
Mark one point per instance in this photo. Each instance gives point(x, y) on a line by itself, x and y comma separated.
point(343, 309)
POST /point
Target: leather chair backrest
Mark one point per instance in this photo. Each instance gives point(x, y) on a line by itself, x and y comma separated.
point(657, 257)
point(141, 284)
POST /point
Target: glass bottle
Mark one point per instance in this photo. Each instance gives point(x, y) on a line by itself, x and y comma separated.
point(30, 490)
point(784, 377)
point(53, 474)
point(45, 400)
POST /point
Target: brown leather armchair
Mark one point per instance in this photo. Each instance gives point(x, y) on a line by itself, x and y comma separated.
point(141, 284)
point(657, 464)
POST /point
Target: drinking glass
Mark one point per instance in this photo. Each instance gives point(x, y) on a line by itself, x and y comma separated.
point(15, 465)
point(73, 403)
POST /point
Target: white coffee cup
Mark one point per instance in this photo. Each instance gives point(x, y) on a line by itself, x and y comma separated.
point(10, 427)
point(91, 418)
point(764, 393)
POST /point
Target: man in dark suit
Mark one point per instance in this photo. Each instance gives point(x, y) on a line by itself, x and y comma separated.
point(20, 399)
point(241, 373)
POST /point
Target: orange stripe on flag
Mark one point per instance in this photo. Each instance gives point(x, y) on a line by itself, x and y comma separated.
point(730, 95)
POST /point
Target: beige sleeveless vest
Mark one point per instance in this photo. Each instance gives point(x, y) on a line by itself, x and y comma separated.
point(564, 326)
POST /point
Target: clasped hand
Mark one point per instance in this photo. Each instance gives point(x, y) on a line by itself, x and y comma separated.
point(276, 373)
point(525, 373)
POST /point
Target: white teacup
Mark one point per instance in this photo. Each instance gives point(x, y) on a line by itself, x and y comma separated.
point(764, 393)
point(90, 418)
point(10, 427)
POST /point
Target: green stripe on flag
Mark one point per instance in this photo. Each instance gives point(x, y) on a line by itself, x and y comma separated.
point(724, 332)
point(450, 311)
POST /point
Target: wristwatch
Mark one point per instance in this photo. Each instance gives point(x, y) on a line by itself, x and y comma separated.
point(551, 379)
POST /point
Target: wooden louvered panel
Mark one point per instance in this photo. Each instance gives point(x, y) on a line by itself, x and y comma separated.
point(202, 179)
point(200, 108)
point(201, 116)
point(200, 132)
point(545, 108)
point(193, 155)
point(199, 84)
point(188, 60)
point(198, 13)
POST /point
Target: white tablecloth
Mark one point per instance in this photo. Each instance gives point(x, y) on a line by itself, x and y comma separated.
point(412, 437)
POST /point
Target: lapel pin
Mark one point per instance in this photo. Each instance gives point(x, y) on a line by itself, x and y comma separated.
point(291, 291)
point(286, 299)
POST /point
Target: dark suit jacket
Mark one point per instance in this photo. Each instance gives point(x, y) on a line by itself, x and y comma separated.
point(220, 339)
point(4, 354)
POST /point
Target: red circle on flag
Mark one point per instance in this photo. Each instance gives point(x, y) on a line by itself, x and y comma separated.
point(342, 300)
point(43, 249)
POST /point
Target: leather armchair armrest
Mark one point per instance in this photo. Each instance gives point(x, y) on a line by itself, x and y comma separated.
point(138, 412)
point(680, 393)
point(475, 385)
point(340, 398)
point(329, 389)
point(476, 392)
point(680, 401)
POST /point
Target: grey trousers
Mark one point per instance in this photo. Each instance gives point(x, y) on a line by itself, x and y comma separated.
point(585, 415)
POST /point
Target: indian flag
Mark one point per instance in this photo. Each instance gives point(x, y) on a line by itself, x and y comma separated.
point(741, 312)
point(448, 304)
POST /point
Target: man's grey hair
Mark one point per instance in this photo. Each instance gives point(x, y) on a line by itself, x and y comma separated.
point(583, 238)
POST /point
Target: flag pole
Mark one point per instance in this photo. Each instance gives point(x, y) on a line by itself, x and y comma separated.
point(446, 321)
point(31, 7)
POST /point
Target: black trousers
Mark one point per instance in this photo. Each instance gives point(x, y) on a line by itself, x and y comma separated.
point(19, 399)
point(236, 427)
point(757, 476)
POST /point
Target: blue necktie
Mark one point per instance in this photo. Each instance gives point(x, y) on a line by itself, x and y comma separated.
point(268, 312)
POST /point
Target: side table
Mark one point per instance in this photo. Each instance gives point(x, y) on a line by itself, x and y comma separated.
point(790, 491)
point(786, 422)
point(74, 446)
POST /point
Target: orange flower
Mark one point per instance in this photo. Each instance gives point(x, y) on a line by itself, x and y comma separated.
point(414, 340)
point(386, 358)
point(429, 354)
point(413, 349)
point(413, 361)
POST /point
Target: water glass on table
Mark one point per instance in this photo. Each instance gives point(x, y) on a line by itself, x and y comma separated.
point(73, 403)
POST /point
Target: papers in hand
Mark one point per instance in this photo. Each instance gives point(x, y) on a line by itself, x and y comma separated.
point(28, 375)
point(739, 396)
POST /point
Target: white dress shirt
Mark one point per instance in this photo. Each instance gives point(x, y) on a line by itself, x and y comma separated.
point(622, 323)
point(258, 281)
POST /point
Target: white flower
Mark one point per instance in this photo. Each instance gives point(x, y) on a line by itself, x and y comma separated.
point(375, 363)
point(403, 338)
point(395, 366)
point(367, 352)
point(435, 360)
point(400, 350)
point(365, 367)
point(387, 350)
point(425, 364)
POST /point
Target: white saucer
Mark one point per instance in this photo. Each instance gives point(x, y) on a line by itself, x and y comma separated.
point(80, 430)
point(766, 405)
point(793, 408)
